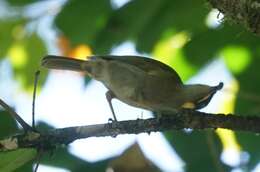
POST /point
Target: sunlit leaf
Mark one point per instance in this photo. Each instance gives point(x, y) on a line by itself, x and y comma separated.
point(8, 33)
point(227, 106)
point(18, 55)
point(169, 51)
point(206, 45)
point(12, 160)
point(237, 58)
point(25, 55)
point(170, 17)
point(80, 51)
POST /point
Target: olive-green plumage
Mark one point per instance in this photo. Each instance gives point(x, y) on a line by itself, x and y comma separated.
point(138, 81)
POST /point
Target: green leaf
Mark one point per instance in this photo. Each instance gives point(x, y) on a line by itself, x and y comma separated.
point(25, 56)
point(64, 159)
point(12, 160)
point(169, 51)
point(248, 96)
point(126, 23)
point(250, 143)
point(238, 54)
point(146, 24)
point(204, 46)
point(171, 18)
point(200, 150)
point(24, 51)
point(80, 21)
point(7, 124)
point(8, 33)
point(20, 2)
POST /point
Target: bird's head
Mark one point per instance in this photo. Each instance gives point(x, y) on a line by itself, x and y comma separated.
point(198, 96)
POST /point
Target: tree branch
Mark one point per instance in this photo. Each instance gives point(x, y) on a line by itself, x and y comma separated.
point(181, 120)
point(245, 12)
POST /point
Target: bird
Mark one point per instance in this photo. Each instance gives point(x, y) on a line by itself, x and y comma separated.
point(138, 81)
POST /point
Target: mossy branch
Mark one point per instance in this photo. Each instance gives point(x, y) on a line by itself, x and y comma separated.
point(245, 12)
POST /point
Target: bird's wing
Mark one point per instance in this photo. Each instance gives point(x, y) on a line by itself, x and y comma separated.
point(148, 65)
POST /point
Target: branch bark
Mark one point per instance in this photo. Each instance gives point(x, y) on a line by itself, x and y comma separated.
point(245, 12)
point(181, 120)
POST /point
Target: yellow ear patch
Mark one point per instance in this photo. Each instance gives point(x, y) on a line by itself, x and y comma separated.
point(188, 105)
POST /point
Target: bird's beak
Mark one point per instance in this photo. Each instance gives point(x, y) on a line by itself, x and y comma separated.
point(219, 86)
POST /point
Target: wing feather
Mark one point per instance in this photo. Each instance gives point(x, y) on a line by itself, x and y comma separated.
point(147, 65)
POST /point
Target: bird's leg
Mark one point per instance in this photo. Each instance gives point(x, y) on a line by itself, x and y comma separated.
point(110, 95)
point(158, 116)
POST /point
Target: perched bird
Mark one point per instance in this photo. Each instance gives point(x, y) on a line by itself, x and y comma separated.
point(138, 81)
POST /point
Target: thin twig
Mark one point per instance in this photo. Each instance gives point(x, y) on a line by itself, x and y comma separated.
point(37, 160)
point(37, 73)
point(25, 126)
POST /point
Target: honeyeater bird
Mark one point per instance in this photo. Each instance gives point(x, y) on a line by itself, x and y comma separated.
point(138, 81)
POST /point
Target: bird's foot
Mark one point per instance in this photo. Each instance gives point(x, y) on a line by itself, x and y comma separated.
point(113, 124)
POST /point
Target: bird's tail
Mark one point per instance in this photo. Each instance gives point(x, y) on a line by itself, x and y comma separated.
point(62, 63)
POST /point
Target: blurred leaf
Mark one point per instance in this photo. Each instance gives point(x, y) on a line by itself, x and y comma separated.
point(169, 51)
point(12, 160)
point(25, 51)
point(200, 150)
point(64, 159)
point(171, 17)
point(25, 55)
point(79, 52)
point(147, 26)
point(239, 50)
point(20, 2)
point(7, 33)
point(80, 21)
point(7, 124)
point(248, 96)
point(250, 143)
point(227, 106)
point(126, 23)
point(132, 159)
point(240, 55)
point(206, 45)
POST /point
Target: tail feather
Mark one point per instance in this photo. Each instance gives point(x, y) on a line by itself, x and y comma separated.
point(63, 63)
